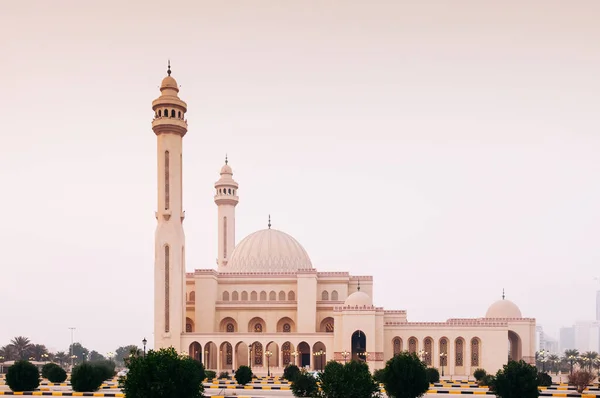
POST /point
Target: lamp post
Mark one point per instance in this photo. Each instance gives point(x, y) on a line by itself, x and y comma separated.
point(268, 355)
point(44, 357)
point(321, 354)
point(422, 355)
point(442, 360)
point(295, 355)
point(110, 355)
point(71, 347)
point(144, 342)
point(345, 355)
point(250, 357)
point(206, 361)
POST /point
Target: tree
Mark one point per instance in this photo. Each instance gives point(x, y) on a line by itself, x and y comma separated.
point(479, 374)
point(516, 380)
point(57, 374)
point(571, 357)
point(163, 374)
point(23, 376)
point(86, 377)
point(37, 351)
point(61, 357)
point(433, 375)
point(8, 352)
point(243, 375)
point(405, 376)
point(46, 369)
point(581, 379)
point(290, 372)
point(21, 346)
point(79, 351)
point(554, 362)
point(305, 385)
point(123, 352)
point(587, 359)
point(95, 356)
point(350, 380)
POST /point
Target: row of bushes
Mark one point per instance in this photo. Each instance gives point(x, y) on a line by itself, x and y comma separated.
point(87, 377)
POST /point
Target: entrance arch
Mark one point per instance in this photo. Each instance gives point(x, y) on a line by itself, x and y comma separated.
point(196, 351)
point(304, 354)
point(514, 346)
point(359, 346)
point(320, 356)
point(226, 356)
point(241, 354)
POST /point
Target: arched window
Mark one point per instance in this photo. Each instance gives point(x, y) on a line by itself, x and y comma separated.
point(428, 350)
point(179, 114)
point(230, 328)
point(244, 296)
point(291, 296)
point(225, 296)
point(334, 295)
point(193, 296)
point(263, 296)
point(258, 354)
point(412, 345)
point(272, 296)
point(229, 190)
point(165, 112)
point(475, 351)
point(459, 349)
point(188, 328)
point(397, 345)
point(286, 349)
point(167, 282)
point(172, 112)
point(325, 295)
point(444, 350)
point(287, 328)
point(253, 296)
point(282, 296)
point(235, 296)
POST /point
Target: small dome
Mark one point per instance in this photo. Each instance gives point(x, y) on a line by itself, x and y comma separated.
point(268, 250)
point(169, 82)
point(226, 169)
point(503, 309)
point(358, 299)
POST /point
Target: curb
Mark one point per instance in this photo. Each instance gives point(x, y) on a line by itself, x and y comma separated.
point(237, 387)
point(63, 394)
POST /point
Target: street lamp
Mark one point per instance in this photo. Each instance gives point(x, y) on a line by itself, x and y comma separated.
point(321, 354)
point(250, 357)
point(345, 355)
point(268, 355)
point(109, 355)
point(422, 355)
point(443, 356)
point(295, 354)
point(206, 361)
point(144, 343)
point(45, 357)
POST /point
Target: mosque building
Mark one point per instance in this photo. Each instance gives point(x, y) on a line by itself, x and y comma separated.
point(267, 306)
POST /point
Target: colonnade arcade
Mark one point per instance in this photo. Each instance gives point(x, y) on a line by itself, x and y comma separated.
point(226, 356)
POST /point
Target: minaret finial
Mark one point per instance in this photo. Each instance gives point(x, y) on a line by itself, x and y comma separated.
point(226, 161)
point(169, 68)
point(269, 221)
point(502, 293)
point(358, 288)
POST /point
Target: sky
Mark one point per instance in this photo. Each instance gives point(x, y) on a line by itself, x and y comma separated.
point(449, 149)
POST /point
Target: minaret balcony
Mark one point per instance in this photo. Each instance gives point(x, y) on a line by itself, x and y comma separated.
point(227, 200)
point(165, 125)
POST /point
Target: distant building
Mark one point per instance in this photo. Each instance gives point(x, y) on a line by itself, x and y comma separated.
point(566, 339)
point(587, 336)
point(545, 342)
point(598, 305)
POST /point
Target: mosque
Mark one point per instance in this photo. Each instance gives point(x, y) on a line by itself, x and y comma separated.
point(267, 306)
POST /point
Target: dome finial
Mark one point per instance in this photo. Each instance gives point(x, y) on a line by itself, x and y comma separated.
point(269, 221)
point(502, 293)
point(226, 161)
point(358, 288)
point(169, 68)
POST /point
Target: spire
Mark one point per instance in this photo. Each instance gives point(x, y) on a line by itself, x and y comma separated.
point(169, 68)
point(269, 221)
point(502, 293)
point(358, 288)
point(226, 161)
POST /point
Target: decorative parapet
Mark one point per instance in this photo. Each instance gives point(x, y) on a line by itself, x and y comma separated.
point(491, 319)
point(466, 322)
point(357, 308)
point(312, 271)
point(335, 274)
point(361, 277)
point(395, 312)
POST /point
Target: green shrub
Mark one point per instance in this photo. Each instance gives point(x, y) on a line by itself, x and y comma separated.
point(352, 379)
point(23, 376)
point(581, 379)
point(290, 372)
point(516, 380)
point(479, 374)
point(433, 376)
point(487, 381)
point(378, 375)
point(163, 374)
point(544, 379)
point(243, 375)
point(46, 368)
point(56, 374)
point(86, 377)
point(305, 385)
point(105, 368)
point(224, 375)
point(405, 376)
point(210, 374)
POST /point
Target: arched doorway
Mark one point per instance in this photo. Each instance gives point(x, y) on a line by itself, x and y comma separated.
point(286, 349)
point(304, 354)
point(226, 356)
point(514, 346)
point(196, 351)
point(210, 355)
point(273, 359)
point(241, 354)
point(320, 356)
point(359, 346)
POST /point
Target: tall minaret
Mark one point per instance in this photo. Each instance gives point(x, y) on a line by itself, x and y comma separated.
point(226, 199)
point(170, 126)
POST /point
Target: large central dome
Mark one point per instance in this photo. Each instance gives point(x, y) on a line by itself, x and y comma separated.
point(268, 250)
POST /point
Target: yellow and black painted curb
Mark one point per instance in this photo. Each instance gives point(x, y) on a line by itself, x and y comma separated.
point(62, 394)
point(470, 392)
point(238, 387)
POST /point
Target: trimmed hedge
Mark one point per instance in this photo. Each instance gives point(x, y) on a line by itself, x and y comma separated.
point(23, 376)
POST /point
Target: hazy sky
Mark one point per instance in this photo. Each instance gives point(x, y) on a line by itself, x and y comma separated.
point(448, 148)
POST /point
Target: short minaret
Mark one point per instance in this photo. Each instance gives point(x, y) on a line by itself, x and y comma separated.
point(226, 199)
point(170, 126)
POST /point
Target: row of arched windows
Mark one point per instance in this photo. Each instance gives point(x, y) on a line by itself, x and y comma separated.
point(254, 296)
point(325, 295)
point(225, 191)
point(428, 350)
point(169, 113)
